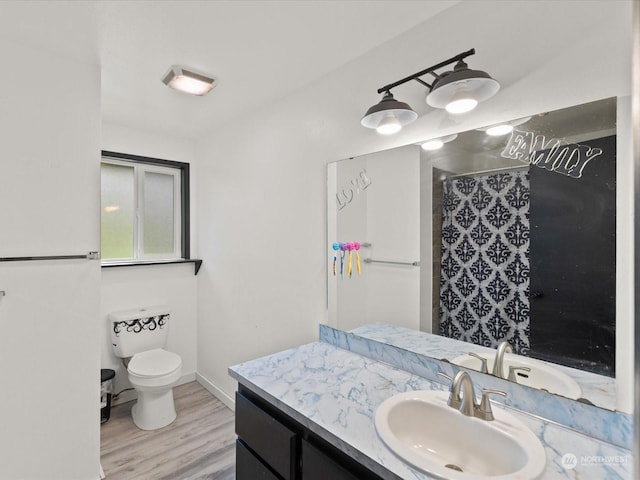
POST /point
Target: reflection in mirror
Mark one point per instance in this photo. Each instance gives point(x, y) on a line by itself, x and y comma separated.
point(501, 234)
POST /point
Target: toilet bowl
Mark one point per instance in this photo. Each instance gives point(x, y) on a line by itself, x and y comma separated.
point(138, 337)
point(153, 374)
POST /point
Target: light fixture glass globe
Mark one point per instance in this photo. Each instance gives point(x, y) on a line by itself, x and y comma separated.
point(190, 85)
point(498, 130)
point(461, 105)
point(389, 125)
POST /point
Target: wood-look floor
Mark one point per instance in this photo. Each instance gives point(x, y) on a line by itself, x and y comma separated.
point(198, 445)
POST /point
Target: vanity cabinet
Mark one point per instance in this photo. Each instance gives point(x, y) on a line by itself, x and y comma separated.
point(270, 441)
point(316, 465)
point(273, 446)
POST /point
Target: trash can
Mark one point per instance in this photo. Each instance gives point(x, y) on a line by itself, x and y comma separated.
point(106, 391)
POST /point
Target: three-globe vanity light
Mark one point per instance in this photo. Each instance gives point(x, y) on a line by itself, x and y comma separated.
point(458, 91)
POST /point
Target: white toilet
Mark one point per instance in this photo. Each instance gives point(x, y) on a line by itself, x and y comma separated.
point(138, 337)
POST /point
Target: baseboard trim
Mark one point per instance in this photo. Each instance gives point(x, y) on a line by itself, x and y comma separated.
point(186, 378)
point(216, 391)
point(131, 394)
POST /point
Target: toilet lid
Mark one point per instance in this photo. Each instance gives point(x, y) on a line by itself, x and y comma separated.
point(153, 363)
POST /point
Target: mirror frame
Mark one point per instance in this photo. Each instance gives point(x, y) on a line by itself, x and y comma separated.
point(635, 125)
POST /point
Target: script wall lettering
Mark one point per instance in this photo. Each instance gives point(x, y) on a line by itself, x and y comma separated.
point(569, 159)
point(345, 196)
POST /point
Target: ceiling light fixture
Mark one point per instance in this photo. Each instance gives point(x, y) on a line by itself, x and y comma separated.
point(458, 91)
point(188, 81)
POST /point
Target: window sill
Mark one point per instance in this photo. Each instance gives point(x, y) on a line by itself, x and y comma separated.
point(197, 263)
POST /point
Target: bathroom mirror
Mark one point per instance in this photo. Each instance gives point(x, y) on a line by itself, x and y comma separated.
point(502, 233)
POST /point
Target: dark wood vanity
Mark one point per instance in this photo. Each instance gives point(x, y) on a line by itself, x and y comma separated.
point(273, 446)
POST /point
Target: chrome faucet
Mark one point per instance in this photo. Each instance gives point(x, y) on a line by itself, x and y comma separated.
point(462, 384)
point(463, 398)
point(498, 363)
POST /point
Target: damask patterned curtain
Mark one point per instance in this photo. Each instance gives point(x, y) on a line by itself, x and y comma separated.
point(484, 294)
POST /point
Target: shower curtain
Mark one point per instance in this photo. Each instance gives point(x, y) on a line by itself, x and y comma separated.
point(484, 287)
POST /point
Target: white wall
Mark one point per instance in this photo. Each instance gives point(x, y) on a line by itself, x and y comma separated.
point(262, 179)
point(124, 288)
point(49, 193)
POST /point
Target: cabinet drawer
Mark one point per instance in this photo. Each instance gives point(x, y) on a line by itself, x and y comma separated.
point(249, 467)
point(274, 443)
point(318, 466)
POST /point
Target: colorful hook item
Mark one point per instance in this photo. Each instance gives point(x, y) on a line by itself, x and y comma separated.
point(343, 248)
point(350, 247)
point(356, 246)
point(336, 248)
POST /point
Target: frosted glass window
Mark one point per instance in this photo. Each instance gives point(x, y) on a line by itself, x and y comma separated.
point(159, 213)
point(145, 209)
point(118, 211)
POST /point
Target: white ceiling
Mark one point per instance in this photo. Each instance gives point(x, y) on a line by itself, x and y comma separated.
point(260, 51)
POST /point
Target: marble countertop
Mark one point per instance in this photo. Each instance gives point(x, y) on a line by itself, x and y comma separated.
point(595, 388)
point(334, 393)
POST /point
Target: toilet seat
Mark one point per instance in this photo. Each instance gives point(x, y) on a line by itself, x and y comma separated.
point(153, 374)
point(154, 363)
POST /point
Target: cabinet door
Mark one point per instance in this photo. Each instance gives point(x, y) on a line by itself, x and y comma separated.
point(318, 466)
point(249, 467)
point(274, 443)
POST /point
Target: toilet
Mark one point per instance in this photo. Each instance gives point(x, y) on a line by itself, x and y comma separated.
point(138, 337)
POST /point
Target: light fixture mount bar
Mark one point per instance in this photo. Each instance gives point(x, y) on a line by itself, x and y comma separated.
point(431, 69)
point(419, 80)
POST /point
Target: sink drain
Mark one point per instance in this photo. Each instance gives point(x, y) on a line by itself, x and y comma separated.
point(453, 467)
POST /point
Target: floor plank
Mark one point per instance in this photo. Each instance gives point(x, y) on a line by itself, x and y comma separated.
point(198, 445)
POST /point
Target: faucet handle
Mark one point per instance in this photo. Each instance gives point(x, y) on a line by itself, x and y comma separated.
point(454, 398)
point(484, 410)
point(483, 368)
point(512, 372)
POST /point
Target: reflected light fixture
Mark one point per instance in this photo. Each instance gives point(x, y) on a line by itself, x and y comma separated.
point(504, 128)
point(188, 81)
point(458, 91)
point(438, 143)
point(435, 144)
point(499, 130)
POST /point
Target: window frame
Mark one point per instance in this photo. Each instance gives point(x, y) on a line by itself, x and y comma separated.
point(148, 163)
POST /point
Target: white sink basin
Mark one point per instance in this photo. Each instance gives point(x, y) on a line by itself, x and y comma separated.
point(424, 431)
point(542, 375)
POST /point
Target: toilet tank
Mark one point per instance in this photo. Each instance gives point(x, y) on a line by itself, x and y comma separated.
point(139, 329)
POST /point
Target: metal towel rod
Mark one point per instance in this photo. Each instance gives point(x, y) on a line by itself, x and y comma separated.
point(411, 264)
point(86, 256)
